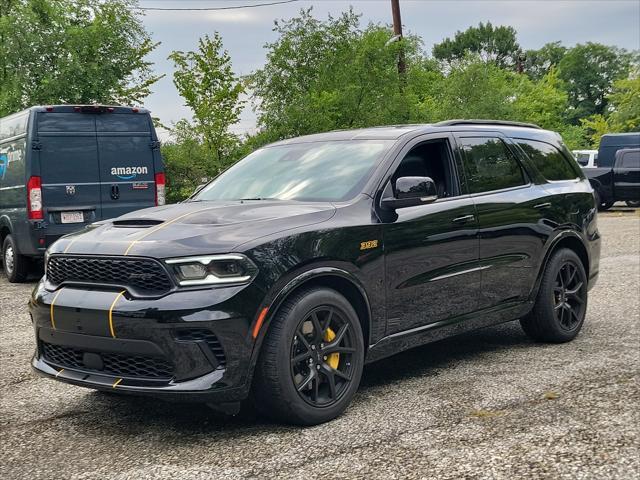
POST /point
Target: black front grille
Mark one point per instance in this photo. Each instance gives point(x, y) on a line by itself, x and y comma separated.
point(115, 364)
point(143, 276)
point(196, 334)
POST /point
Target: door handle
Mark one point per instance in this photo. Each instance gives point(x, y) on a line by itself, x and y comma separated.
point(115, 192)
point(463, 219)
point(542, 205)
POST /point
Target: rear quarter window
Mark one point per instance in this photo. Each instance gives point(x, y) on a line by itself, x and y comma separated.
point(548, 160)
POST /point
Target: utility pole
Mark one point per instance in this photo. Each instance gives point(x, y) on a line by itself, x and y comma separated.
point(397, 31)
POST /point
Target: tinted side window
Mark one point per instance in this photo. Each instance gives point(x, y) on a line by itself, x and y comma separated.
point(489, 165)
point(548, 160)
point(631, 160)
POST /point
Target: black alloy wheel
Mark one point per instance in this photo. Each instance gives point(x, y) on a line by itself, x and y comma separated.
point(311, 358)
point(561, 304)
point(321, 356)
point(569, 296)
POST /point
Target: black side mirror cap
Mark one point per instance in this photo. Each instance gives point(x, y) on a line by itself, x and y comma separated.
point(411, 192)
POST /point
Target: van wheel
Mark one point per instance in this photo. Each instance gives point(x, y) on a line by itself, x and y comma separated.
point(16, 266)
point(311, 360)
point(558, 313)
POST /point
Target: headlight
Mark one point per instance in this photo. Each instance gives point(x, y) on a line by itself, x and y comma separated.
point(229, 269)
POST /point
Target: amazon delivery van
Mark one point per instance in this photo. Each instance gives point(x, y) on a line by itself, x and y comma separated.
point(64, 167)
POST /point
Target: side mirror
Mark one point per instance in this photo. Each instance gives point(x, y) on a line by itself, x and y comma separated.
point(411, 192)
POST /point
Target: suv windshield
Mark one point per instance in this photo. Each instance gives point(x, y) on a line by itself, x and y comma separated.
point(319, 171)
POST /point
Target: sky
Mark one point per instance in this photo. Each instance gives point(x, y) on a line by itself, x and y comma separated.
point(246, 31)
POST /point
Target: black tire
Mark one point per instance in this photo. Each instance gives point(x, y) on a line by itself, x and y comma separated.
point(558, 313)
point(309, 401)
point(16, 266)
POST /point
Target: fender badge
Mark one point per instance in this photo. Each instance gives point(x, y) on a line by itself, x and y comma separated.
point(369, 244)
point(71, 189)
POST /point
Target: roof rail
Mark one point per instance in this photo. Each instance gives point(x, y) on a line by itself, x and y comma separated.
point(504, 123)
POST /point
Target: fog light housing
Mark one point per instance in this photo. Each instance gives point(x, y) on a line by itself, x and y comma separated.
point(228, 269)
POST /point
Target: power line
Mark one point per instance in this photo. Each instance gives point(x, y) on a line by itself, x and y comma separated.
point(234, 7)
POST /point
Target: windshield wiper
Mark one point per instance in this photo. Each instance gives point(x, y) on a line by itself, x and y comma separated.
point(258, 198)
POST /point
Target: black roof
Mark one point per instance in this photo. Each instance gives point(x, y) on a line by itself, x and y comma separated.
point(394, 132)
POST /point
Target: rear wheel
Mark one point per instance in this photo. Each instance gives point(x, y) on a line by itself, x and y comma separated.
point(16, 266)
point(311, 359)
point(561, 305)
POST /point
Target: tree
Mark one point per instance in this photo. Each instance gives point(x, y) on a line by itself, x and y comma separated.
point(497, 45)
point(624, 108)
point(324, 75)
point(624, 101)
point(589, 72)
point(474, 89)
point(539, 62)
point(206, 81)
point(80, 51)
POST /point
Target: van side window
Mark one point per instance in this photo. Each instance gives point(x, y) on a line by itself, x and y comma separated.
point(548, 160)
point(489, 165)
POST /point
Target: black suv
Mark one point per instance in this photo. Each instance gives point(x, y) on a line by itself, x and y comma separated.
point(312, 256)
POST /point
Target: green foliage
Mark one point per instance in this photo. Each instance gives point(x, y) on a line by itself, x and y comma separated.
point(323, 75)
point(206, 81)
point(497, 45)
point(202, 148)
point(474, 90)
point(589, 72)
point(624, 101)
point(80, 51)
point(539, 62)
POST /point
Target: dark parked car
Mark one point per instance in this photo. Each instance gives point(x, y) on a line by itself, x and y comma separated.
point(315, 255)
point(618, 181)
point(63, 167)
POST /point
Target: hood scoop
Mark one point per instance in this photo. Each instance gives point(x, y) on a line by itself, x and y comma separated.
point(137, 223)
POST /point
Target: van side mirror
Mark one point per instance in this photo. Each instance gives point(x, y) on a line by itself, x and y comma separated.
point(411, 192)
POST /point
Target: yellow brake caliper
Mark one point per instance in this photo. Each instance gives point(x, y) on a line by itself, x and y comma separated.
point(333, 359)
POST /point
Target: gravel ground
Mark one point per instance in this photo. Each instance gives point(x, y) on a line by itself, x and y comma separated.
point(490, 404)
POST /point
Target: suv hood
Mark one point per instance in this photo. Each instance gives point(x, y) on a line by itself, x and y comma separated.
point(192, 228)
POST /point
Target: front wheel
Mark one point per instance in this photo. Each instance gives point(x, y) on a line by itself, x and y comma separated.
point(558, 313)
point(311, 359)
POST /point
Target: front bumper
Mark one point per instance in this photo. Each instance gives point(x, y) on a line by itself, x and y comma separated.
point(186, 346)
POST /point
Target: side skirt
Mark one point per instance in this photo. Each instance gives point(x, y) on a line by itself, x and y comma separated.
point(432, 332)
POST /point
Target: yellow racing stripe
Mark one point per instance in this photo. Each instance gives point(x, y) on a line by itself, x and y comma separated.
point(53, 321)
point(113, 333)
point(161, 226)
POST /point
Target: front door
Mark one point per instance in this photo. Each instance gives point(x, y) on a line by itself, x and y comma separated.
point(431, 251)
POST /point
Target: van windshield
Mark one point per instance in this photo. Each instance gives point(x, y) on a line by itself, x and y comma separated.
point(317, 171)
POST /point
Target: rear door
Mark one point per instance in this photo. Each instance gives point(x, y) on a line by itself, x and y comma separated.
point(509, 209)
point(69, 167)
point(126, 153)
point(626, 175)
